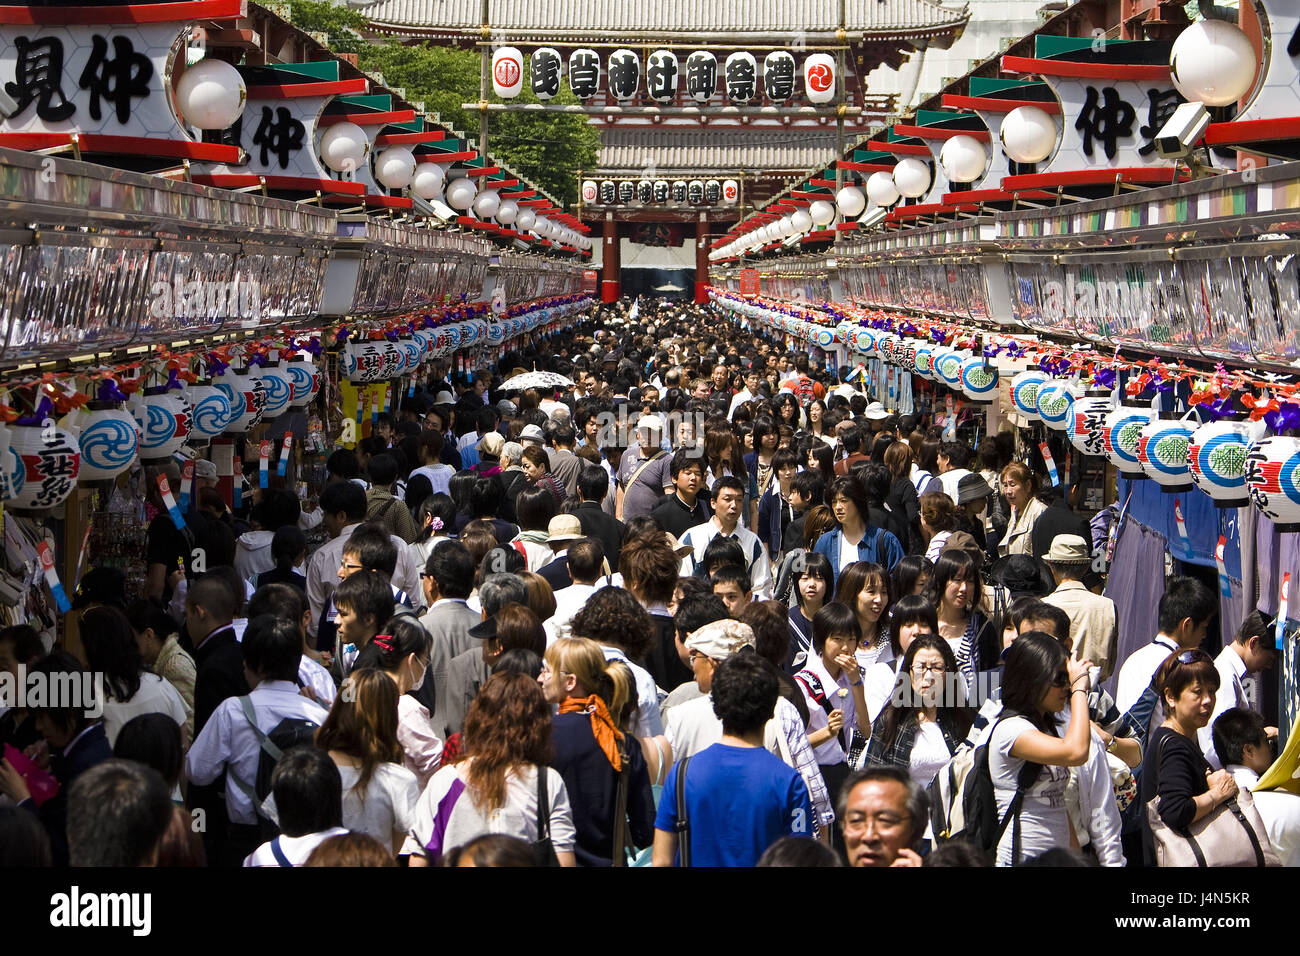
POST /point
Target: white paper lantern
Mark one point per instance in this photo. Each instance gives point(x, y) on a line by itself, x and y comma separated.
point(801, 220)
point(590, 191)
point(47, 464)
point(164, 419)
point(964, 159)
point(460, 193)
point(744, 64)
point(1273, 477)
point(109, 438)
point(948, 365)
point(1087, 431)
point(487, 204)
point(507, 212)
point(1024, 392)
point(247, 398)
point(525, 220)
point(730, 192)
point(786, 229)
point(1217, 456)
point(822, 212)
point(507, 72)
point(304, 377)
point(851, 202)
point(881, 189)
point(819, 78)
point(662, 75)
point(979, 379)
point(428, 180)
point(924, 360)
point(211, 94)
point(912, 177)
point(344, 147)
point(1055, 403)
point(395, 167)
point(1162, 451)
point(1214, 62)
point(1028, 134)
point(1123, 431)
point(624, 74)
point(279, 389)
point(210, 413)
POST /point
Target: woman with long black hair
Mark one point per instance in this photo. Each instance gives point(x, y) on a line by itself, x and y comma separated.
point(956, 592)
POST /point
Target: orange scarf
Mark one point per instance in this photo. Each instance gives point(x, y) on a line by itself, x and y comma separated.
point(602, 727)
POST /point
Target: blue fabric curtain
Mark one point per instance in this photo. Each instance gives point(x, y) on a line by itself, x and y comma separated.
point(1135, 583)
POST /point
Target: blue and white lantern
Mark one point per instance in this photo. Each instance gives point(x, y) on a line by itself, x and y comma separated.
point(948, 366)
point(1162, 452)
point(279, 389)
point(1055, 402)
point(1216, 460)
point(109, 440)
point(164, 420)
point(304, 381)
point(1123, 432)
point(211, 412)
point(1273, 477)
point(1024, 392)
point(925, 360)
point(979, 379)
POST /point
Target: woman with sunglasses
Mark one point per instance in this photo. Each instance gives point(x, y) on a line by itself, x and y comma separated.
point(1173, 767)
point(1028, 762)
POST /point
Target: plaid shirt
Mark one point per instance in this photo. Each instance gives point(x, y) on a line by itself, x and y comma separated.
point(790, 725)
point(898, 753)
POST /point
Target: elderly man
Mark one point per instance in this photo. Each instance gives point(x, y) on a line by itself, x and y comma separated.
point(1093, 628)
point(883, 812)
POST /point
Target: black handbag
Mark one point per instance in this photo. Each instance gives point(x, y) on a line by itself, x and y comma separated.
point(543, 848)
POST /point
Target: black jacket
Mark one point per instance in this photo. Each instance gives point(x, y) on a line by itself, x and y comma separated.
point(219, 673)
point(605, 528)
point(557, 573)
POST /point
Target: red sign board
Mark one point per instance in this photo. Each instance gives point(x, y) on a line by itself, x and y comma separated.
point(749, 282)
point(589, 280)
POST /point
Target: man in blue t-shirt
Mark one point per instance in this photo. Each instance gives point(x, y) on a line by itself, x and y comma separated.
point(739, 798)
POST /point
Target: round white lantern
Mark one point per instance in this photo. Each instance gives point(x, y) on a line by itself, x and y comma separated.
point(912, 177)
point(247, 398)
point(507, 72)
point(109, 439)
point(427, 180)
point(1273, 477)
point(164, 420)
point(279, 389)
point(801, 220)
point(394, 167)
point(924, 360)
point(822, 212)
point(487, 204)
point(210, 413)
point(819, 78)
point(1055, 402)
point(730, 192)
point(979, 378)
point(1087, 431)
point(211, 94)
point(881, 189)
point(1216, 458)
point(1028, 134)
point(1024, 392)
point(590, 191)
point(46, 467)
point(851, 202)
point(964, 159)
point(1214, 62)
point(507, 212)
point(344, 147)
point(460, 193)
point(304, 380)
point(1162, 451)
point(949, 367)
point(525, 220)
point(1123, 431)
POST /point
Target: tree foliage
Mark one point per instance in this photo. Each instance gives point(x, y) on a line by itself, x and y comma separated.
point(545, 148)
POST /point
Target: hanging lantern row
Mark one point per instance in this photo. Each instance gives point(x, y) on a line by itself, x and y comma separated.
point(1230, 457)
point(664, 75)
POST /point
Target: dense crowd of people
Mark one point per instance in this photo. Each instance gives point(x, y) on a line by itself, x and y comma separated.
point(710, 605)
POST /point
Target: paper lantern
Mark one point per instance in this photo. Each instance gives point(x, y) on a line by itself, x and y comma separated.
point(1028, 134)
point(801, 221)
point(624, 74)
point(979, 378)
point(661, 76)
point(850, 201)
point(507, 72)
point(1123, 431)
point(1213, 62)
point(701, 75)
point(822, 212)
point(730, 192)
point(1273, 477)
point(949, 366)
point(164, 420)
point(279, 389)
point(662, 190)
point(881, 189)
point(740, 77)
point(863, 340)
point(460, 193)
point(1216, 459)
point(486, 204)
point(211, 94)
point(912, 177)
point(304, 380)
point(109, 439)
point(1087, 429)
point(906, 352)
point(344, 147)
point(395, 167)
point(428, 180)
point(508, 211)
point(210, 413)
point(695, 192)
point(1055, 403)
point(1024, 392)
point(1163, 451)
point(584, 73)
point(778, 76)
point(590, 191)
point(924, 361)
point(963, 159)
point(525, 220)
point(47, 463)
point(247, 398)
point(819, 78)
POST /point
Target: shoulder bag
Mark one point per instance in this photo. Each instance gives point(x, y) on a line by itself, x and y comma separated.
point(683, 819)
point(543, 849)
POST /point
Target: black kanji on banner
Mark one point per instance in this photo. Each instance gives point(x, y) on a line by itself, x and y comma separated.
point(37, 77)
point(645, 192)
point(608, 193)
point(546, 74)
point(679, 191)
point(1161, 105)
point(661, 76)
point(118, 79)
point(701, 75)
point(624, 74)
point(278, 133)
point(741, 78)
point(1105, 121)
point(584, 73)
point(626, 191)
point(778, 76)
point(661, 191)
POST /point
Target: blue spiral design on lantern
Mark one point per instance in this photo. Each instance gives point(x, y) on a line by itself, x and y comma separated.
point(277, 392)
point(109, 444)
point(212, 415)
point(157, 428)
point(18, 477)
point(413, 355)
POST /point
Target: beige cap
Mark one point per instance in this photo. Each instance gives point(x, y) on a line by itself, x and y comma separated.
point(721, 639)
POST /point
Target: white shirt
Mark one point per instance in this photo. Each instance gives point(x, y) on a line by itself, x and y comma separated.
point(929, 753)
point(295, 849)
point(421, 745)
point(760, 569)
point(1098, 823)
point(155, 696)
point(389, 805)
point(227, 741)
point(568, 602)
point(740, 398)
point(949, 481)
point(829, 752)
point(323, 572)
point(647, 722)
point(1280, 812)
point(1137, 670)
point(1231, 693)
point(318, 679)
point(439, 476)
point(1044, 822)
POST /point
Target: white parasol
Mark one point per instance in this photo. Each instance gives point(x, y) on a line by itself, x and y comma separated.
point(536, 380)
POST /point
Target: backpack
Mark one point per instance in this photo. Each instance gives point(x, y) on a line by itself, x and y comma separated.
point(963, 800)
point(290, 732)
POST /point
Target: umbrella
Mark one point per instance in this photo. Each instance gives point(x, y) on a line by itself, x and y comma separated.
point(541, 380)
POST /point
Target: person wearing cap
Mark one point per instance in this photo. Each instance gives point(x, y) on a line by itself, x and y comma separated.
point(489, 450)
point(643, 474)
point(560, 532)
point(1094, 630)
point(973, 494)
point(737, 799)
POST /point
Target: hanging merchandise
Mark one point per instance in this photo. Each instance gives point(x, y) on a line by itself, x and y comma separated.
point(210, 413)
point(47, 463)
point(1123, 430)
point(164, 419)
point(109, 438)
point(1162, 451)
point(1087, 429)
point(1216, 458)
point(1273, 477)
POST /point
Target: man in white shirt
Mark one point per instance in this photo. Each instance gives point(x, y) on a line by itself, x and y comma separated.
point(1183, 616)
point(728, 501)
point(954, 460)
point(308, 793)
point(748, 393)
point(1251, 652)
point(230, 744)
point(1240, 737)
point(1093, 628)
point(585, 559)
